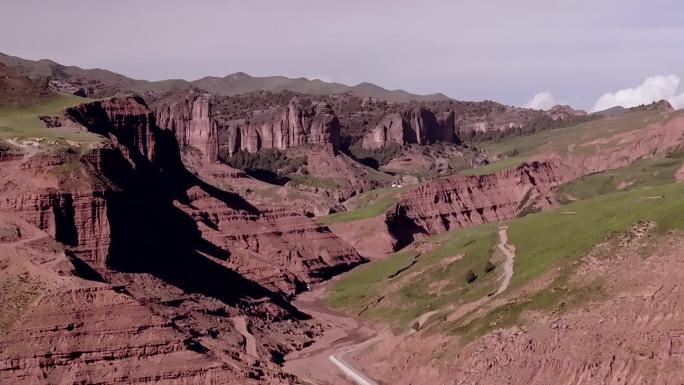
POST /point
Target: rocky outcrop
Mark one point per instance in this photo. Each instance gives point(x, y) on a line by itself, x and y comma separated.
point(277, 248)
point(420, 126)
point(75, 328)
point(300, 122)
point(127, 122)
point(562, 112)
point(78, 220)
point(189, 116)
point(168, 259)
point(158, 184)
point(79, 335)
point(460, 201)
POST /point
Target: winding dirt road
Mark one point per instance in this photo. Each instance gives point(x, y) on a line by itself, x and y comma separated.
point(327, 360)
point(509, 251)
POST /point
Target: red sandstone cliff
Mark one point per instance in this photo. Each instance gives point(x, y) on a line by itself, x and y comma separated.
point(189, 116)
point(300, 122)
point(419, 126)
point(459, 201)
point(162, 261)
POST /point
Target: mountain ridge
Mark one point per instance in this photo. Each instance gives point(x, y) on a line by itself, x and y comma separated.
point(98, 82)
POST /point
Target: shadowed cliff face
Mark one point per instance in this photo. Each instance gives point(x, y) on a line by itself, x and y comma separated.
point(148, 233)
point(164, 219)
point(158, 294)
point(189, 117)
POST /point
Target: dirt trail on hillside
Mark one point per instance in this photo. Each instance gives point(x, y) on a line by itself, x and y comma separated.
point(324, 361)
point(343, 338)
point(509, 252)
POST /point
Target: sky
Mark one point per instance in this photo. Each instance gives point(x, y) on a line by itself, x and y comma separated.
point(588, 54)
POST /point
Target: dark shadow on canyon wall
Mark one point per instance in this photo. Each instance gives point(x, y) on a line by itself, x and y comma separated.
point(148, 233)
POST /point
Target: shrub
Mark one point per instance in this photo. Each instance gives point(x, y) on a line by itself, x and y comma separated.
point(489, 266)
point(375, 158)
point(271, 160)
point(470, 276)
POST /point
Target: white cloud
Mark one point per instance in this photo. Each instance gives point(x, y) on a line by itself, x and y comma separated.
point(651, 90)
point(541, 101)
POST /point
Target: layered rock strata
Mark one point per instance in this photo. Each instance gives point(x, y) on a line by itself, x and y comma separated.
point(458, 201)
point(300, 122)
point(162, 260)
point(420, 126)
point(190, 118)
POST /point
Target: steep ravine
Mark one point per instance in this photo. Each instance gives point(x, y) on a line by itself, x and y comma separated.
point(173, 257)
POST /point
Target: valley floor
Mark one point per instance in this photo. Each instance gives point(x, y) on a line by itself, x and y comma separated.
point(321, 362)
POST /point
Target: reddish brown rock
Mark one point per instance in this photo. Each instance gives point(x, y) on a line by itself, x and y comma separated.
point(300, 122)
point(420, 126)
point(78, 220)
point(370, 237)
point(189, 116)
point(461, 201)
point(127, 122)
point(168, 259)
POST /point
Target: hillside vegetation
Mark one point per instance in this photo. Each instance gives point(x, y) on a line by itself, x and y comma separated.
point(549, 244)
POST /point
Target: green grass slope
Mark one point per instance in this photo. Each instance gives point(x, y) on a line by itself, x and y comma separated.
point(368, 205)
point(517, 149)
point(23, 122)
point(399, 289)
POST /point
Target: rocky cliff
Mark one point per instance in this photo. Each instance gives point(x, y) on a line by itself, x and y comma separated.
point(301, 122)
point(189, 116)
point(458, 201)
point(454, 121)
point(420, 126)
point(163, 261)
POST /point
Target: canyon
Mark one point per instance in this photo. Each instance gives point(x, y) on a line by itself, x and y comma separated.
point(133, 251)
point(149, 241)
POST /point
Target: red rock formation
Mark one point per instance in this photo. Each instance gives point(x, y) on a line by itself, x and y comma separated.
point(141, 330)
point(78, 220)
point(301, 122)
point(274, 236)
point(420, 126)
point(127, 122)
point(177, 257)
point(189, 116)
point(459, 201)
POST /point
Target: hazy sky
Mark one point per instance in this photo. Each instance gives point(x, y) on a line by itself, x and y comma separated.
point(576, 51)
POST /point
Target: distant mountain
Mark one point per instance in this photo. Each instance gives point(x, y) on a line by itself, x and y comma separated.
point(101, 83)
